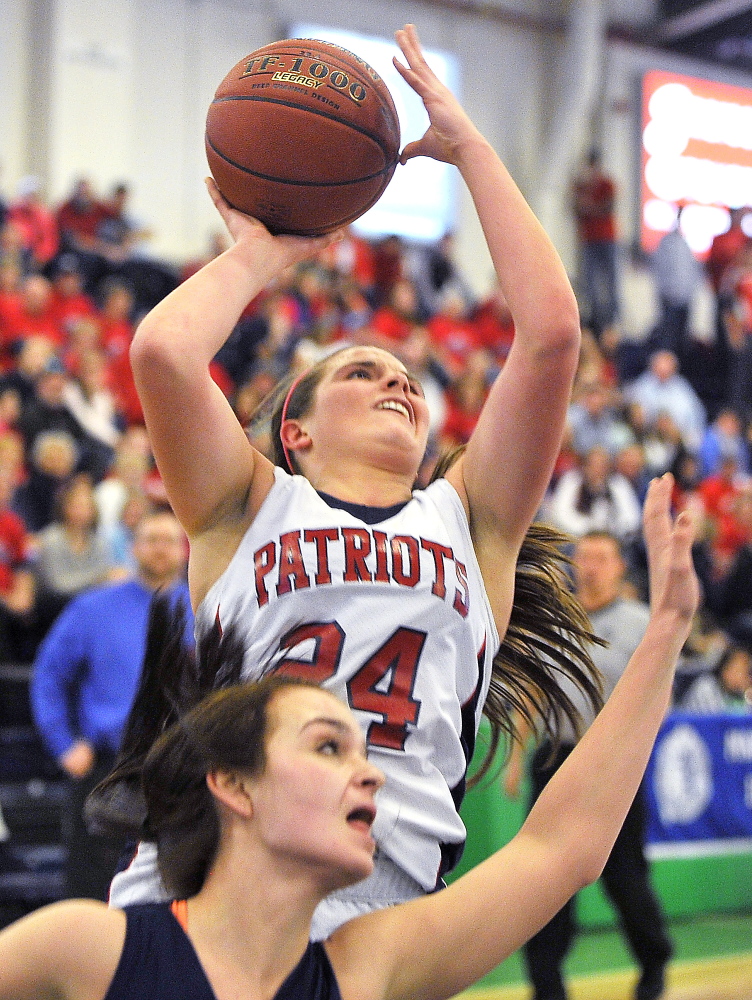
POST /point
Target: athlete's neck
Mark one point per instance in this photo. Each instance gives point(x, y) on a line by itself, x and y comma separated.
point(377, 489)
point(258, 945)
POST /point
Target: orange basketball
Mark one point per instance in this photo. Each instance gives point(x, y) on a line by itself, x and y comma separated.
point(303, 135)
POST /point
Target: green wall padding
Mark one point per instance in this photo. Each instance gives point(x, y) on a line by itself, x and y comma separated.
point(686, 886)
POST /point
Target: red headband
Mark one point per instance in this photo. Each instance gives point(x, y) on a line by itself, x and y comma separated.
point(293, 386)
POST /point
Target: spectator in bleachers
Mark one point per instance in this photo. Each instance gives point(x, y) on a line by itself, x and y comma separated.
point(123, 243)
point(595, 420)
point(594, 497)
point(661, 389)
point(388, 264)
point(629, 461)
point(12, 253)
point(268, 319)
point(725, 249)
point(69, 303)
point(725, 688)
point(85, 335)
point(30, 359)
point(452, 333)
point(10, 269)
point(117, 304)
point(79, 218)
point(678, 277)
point(119, 233)
point(663, 444)
point(395, 318)
point(72, 556)
point(10, 411)
point(89, 399)
point(120, 538)
point(417, 355)
point(99, 641)
point(352, 259)
point(493, 323)
point(35, 223)
point(730, 599)
point(53, 460)
point(354, 309)
point(30, 314)
point(126, 476)
point(594, 204)
point(724, 436)
point(217, 243)
point(595, 362)
point(719, 493)
point(464, 400)
point(47, 410)
point(435, 273)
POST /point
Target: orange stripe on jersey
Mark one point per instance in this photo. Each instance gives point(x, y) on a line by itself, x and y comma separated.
point(179, 910)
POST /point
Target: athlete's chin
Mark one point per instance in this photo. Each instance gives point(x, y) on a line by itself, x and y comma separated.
point(351, 872)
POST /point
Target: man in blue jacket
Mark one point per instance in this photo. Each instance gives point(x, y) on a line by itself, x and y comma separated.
point(85, 677)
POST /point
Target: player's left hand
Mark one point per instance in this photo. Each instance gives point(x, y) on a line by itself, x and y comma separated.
point(450, 126)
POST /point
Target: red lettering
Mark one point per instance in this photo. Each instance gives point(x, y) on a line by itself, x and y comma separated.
point(405, 545)
point(384, 685)
point(357, 547)
point(440, 553)
point(291, 569)
point(320, 536)
point(263, 561)
point(328, 639)
point(382, 569)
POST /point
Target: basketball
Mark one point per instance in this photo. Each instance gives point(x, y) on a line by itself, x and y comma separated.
point(303, 135)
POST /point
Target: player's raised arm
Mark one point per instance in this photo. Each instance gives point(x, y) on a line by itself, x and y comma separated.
point(439, 945)
point(509, 459)
point(202, 452)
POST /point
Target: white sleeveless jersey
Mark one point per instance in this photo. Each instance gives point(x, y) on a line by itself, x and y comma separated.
point(394, 619)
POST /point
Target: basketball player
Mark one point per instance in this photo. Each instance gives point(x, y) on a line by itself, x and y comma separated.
point(393, 599)
point(262, 802)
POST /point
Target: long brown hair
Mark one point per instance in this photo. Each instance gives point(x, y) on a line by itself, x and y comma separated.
point(546, 640)
point(191, 715)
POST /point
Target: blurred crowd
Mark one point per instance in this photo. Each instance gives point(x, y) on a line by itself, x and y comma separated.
point(658, 389)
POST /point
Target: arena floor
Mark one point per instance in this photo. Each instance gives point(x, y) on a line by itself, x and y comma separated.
point(713, 961)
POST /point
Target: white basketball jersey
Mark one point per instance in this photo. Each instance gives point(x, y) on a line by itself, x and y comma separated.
point(394, 619)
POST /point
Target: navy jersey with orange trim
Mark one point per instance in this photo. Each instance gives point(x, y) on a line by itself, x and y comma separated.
point(158, 962)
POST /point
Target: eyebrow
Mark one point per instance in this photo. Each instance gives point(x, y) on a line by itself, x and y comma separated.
point(339, 725)
point(375, 364)
point(325, 720)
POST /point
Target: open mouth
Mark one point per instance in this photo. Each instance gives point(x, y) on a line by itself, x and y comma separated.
point(396, 406)
point(362, 815)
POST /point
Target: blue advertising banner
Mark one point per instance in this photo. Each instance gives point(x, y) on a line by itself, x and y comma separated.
point(699, 786)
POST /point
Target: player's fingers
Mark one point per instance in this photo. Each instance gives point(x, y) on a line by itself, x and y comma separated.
point(684, 535)
point(410, 77)
point(407, 153)
point(657, 510)
point(214, 193)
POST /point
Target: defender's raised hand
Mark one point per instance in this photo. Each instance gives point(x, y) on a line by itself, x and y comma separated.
point(674, 588)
